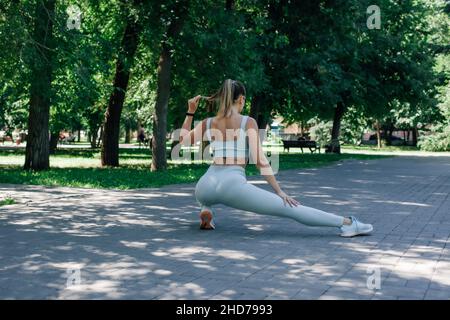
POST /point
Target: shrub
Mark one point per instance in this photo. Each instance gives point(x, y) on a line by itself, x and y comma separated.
point(321, 132)
point(437, 141)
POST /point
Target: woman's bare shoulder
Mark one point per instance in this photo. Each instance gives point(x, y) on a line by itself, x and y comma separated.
point(251, 123)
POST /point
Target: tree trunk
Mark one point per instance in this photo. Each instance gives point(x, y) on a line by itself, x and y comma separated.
point(255, 106)
point(79, 135)
point(258, 112)
point(229, 4)
point(159, 161)
point(54, 137)
point(93, 138)
point(100, 138)
point(377, 127)
point(37, 149)
point(263, 122)
point(335, 147)
point(159, 155)
point(111, 130)
point(389, 132)
point(414, 136)
point(127, 131)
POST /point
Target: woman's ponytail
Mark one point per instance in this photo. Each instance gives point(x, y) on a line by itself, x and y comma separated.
point(226, 95)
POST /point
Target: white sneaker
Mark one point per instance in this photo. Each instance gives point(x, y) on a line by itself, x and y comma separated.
point(356, 228)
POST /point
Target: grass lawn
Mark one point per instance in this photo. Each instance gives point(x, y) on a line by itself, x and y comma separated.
point(7, 201)
point(81, 168)
point(383, 148)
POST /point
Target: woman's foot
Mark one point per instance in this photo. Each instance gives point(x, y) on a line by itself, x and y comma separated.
point(206, 220)
point(356, 228)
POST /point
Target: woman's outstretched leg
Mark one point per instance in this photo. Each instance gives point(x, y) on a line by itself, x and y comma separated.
point(245, 196)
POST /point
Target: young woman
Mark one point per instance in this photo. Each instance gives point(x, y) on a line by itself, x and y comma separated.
point(225, 180)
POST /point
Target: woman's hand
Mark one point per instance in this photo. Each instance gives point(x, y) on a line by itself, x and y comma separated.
point(193, 103)
point(287, 199)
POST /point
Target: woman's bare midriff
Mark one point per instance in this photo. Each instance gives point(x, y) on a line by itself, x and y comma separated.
point(226, 161)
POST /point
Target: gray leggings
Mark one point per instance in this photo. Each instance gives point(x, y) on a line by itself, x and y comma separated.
point(227, 184)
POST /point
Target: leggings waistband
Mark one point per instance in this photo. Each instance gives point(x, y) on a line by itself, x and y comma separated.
point(226, 168)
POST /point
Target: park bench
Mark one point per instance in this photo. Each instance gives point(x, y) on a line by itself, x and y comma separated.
point(311, 145)
point(68, 140)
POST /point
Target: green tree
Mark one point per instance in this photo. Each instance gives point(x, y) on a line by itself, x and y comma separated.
point(128, 47)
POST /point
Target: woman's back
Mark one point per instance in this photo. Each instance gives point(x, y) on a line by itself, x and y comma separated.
point(228, 139)
point(232, 124)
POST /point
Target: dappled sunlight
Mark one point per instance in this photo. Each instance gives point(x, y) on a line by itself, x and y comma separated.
point(181, 291)
point(400, 213)
point(404, 203)
point(156, 207)
point(204, 266)
point(340, 202)
point(178, 194)
point(108, 289)
point(162, 272)
point(235, 255)
point(363, 181)
point(315, 195)
point(66, 265)
point(328, 188)
point(141, 222)
point(134, 244)
point(293, 261)
point(305, 173)
point(190, 251)
point(257, 182)
point(254, 227)
point(25, 222)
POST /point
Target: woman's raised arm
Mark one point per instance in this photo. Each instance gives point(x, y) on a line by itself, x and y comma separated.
point(195, 134)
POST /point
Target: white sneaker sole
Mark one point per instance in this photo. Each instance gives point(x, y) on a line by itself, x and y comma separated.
point(353, 234)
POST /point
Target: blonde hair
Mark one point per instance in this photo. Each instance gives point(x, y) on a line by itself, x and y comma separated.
point(226, 96)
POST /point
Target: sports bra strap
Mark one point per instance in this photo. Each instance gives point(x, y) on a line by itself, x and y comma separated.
point(244, 122)
point(208, 127)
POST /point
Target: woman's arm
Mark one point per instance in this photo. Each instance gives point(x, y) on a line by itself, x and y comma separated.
point(256, 151)
point(195, 134)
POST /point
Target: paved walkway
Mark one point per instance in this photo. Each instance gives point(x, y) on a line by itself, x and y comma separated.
point(64, 243)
